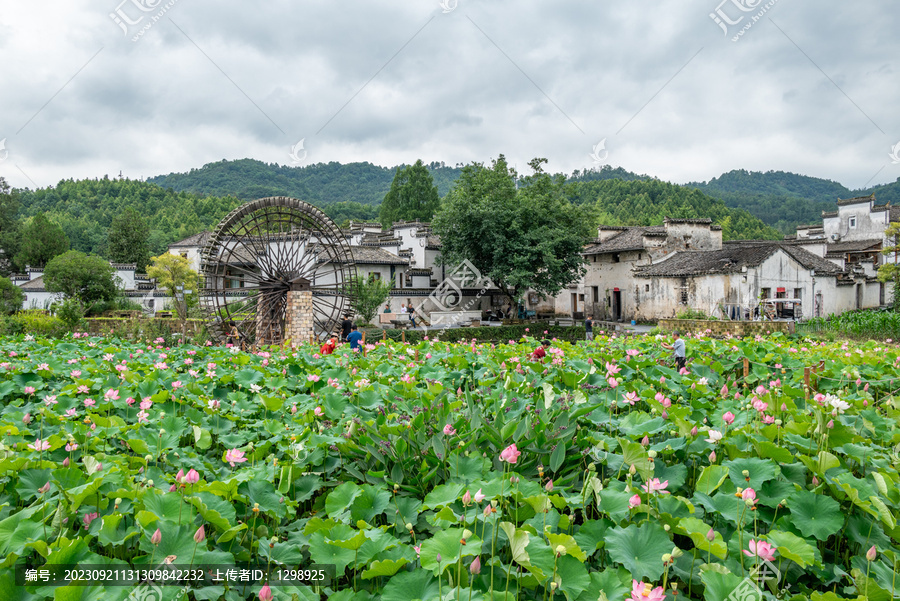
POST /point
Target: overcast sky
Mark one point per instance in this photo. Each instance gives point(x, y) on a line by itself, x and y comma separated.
point(657, 87)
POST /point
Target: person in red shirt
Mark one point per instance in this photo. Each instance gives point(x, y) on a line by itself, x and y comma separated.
point(328, 347)
point(541, 351)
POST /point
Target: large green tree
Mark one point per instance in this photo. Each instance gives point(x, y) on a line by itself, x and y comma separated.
point(413, 195)
point(86, 278)
point(129, 237)
point(11, 296)
point(9, 227)
point(41, 241)
point(525, 238)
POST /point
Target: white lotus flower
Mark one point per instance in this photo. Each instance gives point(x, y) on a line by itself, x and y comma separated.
point(714, 436)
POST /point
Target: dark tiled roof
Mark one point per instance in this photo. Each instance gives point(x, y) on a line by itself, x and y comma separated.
point(701, 221)
point(829, 214)
point(631, 238)
point(731, 259)
point(894, 214)
point(857, 200)
point(433, 242)
point(374, 254)
point(35, 285)
point(195, 240)
point(854, 246)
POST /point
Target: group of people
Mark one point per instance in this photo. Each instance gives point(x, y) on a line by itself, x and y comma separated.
point(350, 334)
point(405, 309)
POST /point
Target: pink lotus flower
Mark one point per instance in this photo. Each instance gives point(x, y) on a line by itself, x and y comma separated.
point(192, 477)
point(728, 418)
point(612, 369)
point(549, 486)
point(214, 404)
point(318, 412)
point(871, 553)
point(749, 494)
point(265, 593)
point(641, 591)
point(45, 488)
point(761, 549)
point(666, 402)
point(26, 419)
point(200, 535)
point(724, 391)
point(233, 456)
point(467, 498)
point(312, 378)
point(179, 476)
point(654, 485)
point(645, 441)
point(156, 538)
point(89, 517)
point(112, 394)
point(634, 501)
point(142, 417)
point(417, 549)
point(89, 402)
point(29, 389)
point(631, 398)
point(510, 454)
point(177, 384)
point(39, 445)
point(83, 389)
point(768, 419)
point(71, 446)
point(449, 430)
point(475, 566)
point(612, 382)
point(50, 400)
point(479, 497)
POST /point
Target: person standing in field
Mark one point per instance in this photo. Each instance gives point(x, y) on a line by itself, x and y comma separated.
point(680, 350)
point(589, 328)
point(354, 338)
point(345, 327)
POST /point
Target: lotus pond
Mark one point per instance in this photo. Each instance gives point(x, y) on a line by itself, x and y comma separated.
point(457, 471)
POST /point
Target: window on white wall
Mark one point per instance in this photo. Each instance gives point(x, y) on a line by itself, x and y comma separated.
point(853, 222)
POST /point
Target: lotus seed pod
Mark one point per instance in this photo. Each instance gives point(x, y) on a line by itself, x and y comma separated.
point(150, 483)
point(667, 557)
point(676, 552)
point(745, 473)
point(592, 467)
point(148, 458)
point(408, 526)
point(560, 550)
point(667, 528)
point(651, 454)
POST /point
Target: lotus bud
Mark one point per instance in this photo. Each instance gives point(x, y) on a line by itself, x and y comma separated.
point(712, 457)
point(711, 535)
point(156, 538)
point(438, 558)
point(475, 567)
point(667, 558)
point(815, 481)
point(694, 431)
point(44, 488)
point(408, 526)
point(66, 462)
point(549, 486)
point(871, 553)
point(466, 499)
point(645, 441)
point(676, 553)
point(200, 535)
point(632, 470)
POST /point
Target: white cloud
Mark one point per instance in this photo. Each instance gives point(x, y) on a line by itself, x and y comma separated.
point(213, 80)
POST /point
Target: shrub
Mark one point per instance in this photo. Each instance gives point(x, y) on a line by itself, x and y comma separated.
point(36, 323)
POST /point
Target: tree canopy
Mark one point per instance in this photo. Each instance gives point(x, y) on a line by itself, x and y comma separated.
point(41, 241)
point(129, 237)
point(85, 278)
point(369, 294)
point(171, 271)
point(9, 226)
point(413, 196)
point(11, 296)
point(531, 237)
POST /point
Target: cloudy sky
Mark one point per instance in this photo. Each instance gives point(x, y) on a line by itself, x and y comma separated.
point(89, 88)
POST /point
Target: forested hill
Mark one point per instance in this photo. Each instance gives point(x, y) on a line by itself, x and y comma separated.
point(321, 184)
point(648, 202)
point(785, 200)
point(85, 210)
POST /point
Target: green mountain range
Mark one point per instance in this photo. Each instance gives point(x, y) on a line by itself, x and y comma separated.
point(747, 204)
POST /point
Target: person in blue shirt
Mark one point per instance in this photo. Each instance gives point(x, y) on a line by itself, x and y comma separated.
point(354, 338)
